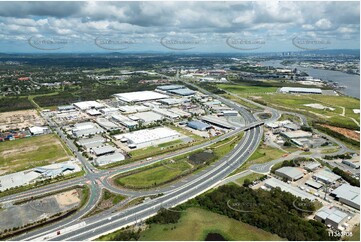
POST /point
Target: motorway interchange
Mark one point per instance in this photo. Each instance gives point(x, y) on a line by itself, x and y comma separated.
point(76, 228)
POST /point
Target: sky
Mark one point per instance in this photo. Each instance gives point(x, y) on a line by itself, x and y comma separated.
point(90, 26)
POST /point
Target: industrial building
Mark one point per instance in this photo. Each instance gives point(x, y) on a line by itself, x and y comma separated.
point(169, 87)
point(331, 216)
point(106, 124)
point(86, 129)
point(103, 150)
point(36, 130)
point(147, 117)
point(297, 134)
point(355, 165)
point(133, 108)
point(140, 96)
point(290, 173)
point(91, 142)
point(93, 112)
point(180, 112)
point(198, 125)
point(273, 183)
point(66, 108)
point(88, 105)
point(301, 90)
point(228, 113)
point(348, 195)
point(148, 137)
point(107, 111)
point(182, 92)
point(166, 113)
point(107, 159)
point(313, 184)
point(217, 121)
point(327, 177)
point(172, 101)
point(311, 166)
point(124, 120)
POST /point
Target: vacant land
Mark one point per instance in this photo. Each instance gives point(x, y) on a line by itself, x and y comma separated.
point(20, 119)
point(351, 134)
point(196, 223)
point(251, 177)
point(153, 176)
point(108, 200)
point(30, 152)
point(239, 89)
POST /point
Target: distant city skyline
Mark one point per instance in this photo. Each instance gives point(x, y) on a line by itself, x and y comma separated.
point(220, 27)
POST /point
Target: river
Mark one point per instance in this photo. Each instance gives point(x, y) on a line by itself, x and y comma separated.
point(351, 82)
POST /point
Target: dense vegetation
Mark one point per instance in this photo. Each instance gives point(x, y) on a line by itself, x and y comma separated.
point(336, 135)
point(272, 211)
point(346, 177)
point(165, 216)
point(15, 103)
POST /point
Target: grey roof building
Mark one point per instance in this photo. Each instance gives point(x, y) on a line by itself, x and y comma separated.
point(326, 176)
point(98, 151)
point(198, 125)
point(331, 216)
point(169, 87)
point(313, 184)
point(290, 173)
point(348, 195)
point(107, 159)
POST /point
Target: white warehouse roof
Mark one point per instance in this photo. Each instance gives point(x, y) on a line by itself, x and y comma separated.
point(140, 96)
point(88, 105)
point(301, 90)
point(148, 135)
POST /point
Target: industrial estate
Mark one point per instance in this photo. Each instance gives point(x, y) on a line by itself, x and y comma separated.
point(139, 146)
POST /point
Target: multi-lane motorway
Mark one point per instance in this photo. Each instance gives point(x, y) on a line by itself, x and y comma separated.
point(73, 228)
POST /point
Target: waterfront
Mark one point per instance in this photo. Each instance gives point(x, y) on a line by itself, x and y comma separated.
point(351, 82)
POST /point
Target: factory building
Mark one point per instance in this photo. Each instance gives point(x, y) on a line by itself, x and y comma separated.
point(312, 166)
point(66, 108)
point(228, 113)
point(123, 120)
point(147, 117)
point(103, 150)
point(198, 125)
point(86, 129)
point(93, 112)
point(327, 177)
point(106, 124)
point(273, 183)
point(348, 195)
point(297, 134)
point(180, 112)
point(133, 108)
point(290, 173)
point(217, 121)
point(88, 105)
point(108, 159)
point(331, 216)
point(140, 96)
point(36, 130)
point(91, 142)
point(107, 111)
point(355, 165)
point(183, 92)
point(313, 184)
point(301, 90)
point(166, 113)
point(169, 87)
point(148, 137)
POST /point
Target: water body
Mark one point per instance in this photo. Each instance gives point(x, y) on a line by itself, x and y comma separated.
point(214, 237)
point(351, 82)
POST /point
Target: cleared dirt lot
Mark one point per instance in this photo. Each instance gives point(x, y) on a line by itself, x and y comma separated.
point(20, 119)
point(346, 132)
point(38, 209)
point(26, 153)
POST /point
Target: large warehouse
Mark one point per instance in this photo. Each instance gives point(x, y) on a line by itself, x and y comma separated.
point(198, 125)
point(140, 96)
point(348, 194)
point(301, 90)
point(149, 137)
point(290, 173)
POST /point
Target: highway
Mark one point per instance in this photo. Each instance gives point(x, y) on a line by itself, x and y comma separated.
point(174, 194)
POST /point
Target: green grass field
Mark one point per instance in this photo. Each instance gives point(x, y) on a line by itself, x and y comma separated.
point(154, 176)
point(355, 234)
point(196, 223)
point(239, 89)
point(251, 177)
point(262, 155)
point(30, 152)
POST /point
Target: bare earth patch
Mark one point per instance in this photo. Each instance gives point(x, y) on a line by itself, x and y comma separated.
point(352, 134)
